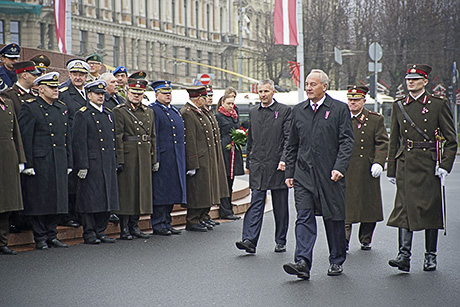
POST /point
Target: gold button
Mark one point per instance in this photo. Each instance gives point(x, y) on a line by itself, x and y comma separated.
point(425, 120)
point(65, 124)
point(404, 121)
point(362, 147)
point(175, 142)
point(102, 140)
point(174, 134)
point(175, 127)
point(140, 143)
point(51, 124)
point(424, 149)
point(46, 114)
point(362, 132)
point(97, 122)
point(52, 134)
point(362, 141)
point(424, 130)
point(405, 131)
point(360, 156)
point(54, 145)
point(100, 130)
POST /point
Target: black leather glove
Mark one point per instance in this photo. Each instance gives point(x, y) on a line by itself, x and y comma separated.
point(119, 168)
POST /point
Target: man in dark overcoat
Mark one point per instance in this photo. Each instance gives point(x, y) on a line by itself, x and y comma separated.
point(199, 157)
point(44, 125)
point(363, 195)
point(168, 181)
point(95, 163)
point(111, 96)
point(269, 124)
point(11, 164)
point(318, 152)
point(417, 167)
point(136, 153)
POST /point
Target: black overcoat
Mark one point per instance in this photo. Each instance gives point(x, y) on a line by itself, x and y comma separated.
point(267, 138)
point(319, 143)
point(110, 101)
point(94, 149)
point(18, 96)
point(46, 138)
point(73, 100)
point(226, 124)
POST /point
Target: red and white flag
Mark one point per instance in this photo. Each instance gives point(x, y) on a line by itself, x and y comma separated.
point(59, 22)
point(285, 22)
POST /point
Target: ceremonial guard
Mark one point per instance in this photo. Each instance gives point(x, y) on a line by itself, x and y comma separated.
point(95, 63)
point(169, 179)
point(136, 152)
point(95, 162)
point(44, 125)
point(423, 145)
point(22, 89)
point(121, 74)
point(200, 160)
point(11, 164)
point(363, 195)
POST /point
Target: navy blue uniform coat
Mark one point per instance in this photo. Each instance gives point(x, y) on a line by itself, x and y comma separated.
point(319, 143)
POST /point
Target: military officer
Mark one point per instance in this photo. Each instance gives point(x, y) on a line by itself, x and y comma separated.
point(42, 62)
point(44, 124)
point(12, 153)
point(169, 180)
point(363, 195)
point(22, 89)
point(94, 153)
point(9, 55)
point(199, 155)
point(67, 82)
point(95, 63)
point(136, 152)
point(121, 73)
point(111, 97)
point(416, 165)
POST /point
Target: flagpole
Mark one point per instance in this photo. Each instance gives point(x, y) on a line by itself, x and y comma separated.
point(300, 55)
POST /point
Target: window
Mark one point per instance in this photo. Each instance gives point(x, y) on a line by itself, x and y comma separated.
point(209, 58)
point(83, 40)
point(100, 42)
point(198, 67)
point(2, 33)
point(116, 51)
point(43, 29)
point(197, 15)
point(51, 34)
point(185, 17)
point(187, 65)
point(14, 32)
point(173, 11)
point(174, 62)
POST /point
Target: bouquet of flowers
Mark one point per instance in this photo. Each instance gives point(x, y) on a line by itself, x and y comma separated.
point(239, 138)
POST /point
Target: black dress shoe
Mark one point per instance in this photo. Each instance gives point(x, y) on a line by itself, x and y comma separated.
point(56, 243)
point(162, 232)
point(41, 245)
point(196, 227)
point(92, 241)
point(5, 250)
point(14, 229)
point(125, 235)
point(207, 225)
point(335, 269)
point(114, 219)
point(401, 263)
point(138, 234)
point(280, 248)
point(175, 231)
point(105, 239)
point(366, 246)
point(299, 268)
point(72, 223)
point(430, 263)
point(231, 217)
point(212, 222)
point(247, 245)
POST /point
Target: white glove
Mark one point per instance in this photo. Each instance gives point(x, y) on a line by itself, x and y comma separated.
point(21, 167)
point(82, 173)
point(29, 172)
point(442, 174)
point(376, 170)
point(191, 172)
point(392, 180)
point(69, 170)
point(156, 167)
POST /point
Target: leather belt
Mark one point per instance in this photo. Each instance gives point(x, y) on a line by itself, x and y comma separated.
point(414, 144)
point(137, 138)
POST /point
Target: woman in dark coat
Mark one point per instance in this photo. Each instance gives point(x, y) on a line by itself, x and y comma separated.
point(227, 117)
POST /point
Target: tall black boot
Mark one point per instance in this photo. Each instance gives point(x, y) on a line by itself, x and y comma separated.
point(402, 261)
point(431, 242)
point(124, 231)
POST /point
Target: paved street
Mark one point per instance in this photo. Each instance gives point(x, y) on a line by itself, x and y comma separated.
point(205, 269)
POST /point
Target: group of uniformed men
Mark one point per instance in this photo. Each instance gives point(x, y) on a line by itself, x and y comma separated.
point(74, 135)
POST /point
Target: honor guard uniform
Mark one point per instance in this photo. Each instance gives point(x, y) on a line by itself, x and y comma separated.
point(95, 162)
point(121, 73)
point(8, 54)
point(421, 125)
point(168, 181)
point(363, 195)
point(44, 124)
point(136, 152)
point(95, 62)
point(22, 89)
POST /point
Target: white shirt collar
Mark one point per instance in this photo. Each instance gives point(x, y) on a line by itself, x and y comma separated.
point(415, 98)
point(99, 108)
point(22, 88)
point(318, 104)
point(262, 106)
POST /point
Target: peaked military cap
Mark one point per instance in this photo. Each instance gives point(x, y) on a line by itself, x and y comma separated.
point(163, 86)
point(209, 90)
point(73, 59)
point(417, 71)
point(78, 65)
point(11, 51)
point(138, 75)
point(120, 70)
point(42, 62)
point(136, 85)
point(94, 57)
point(51, 79)
point(97, 86)
point(26, 66)
point(357, 91)
point(196, 91)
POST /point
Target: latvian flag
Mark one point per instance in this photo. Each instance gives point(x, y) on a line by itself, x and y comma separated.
point(285, 22)
point(59, 22)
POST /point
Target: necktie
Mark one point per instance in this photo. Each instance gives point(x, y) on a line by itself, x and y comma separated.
point(315, 106)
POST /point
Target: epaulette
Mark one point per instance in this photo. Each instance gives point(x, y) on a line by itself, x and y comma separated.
point(65, 88)
point(441, 97)
point(109, 110)
point(30, 100)
point(375, 113)
point(61, 102)
point(121, 106)
point(83, 109)
point(402, 97)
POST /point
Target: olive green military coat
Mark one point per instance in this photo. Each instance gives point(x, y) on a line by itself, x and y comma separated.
point(136, 156)
point(363, 194)
point(418, 196)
